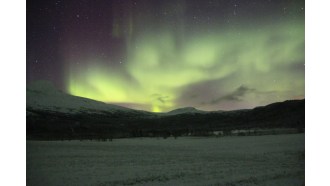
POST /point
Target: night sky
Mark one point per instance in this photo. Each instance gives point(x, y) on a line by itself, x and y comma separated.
point(158, 55)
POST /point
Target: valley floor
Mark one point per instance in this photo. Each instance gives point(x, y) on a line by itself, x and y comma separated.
point(233, 160)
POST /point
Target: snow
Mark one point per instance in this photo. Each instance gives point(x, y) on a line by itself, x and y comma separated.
point(184, 110)
point(42, 95)
point(249, 160)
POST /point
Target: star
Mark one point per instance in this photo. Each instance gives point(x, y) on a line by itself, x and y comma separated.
point(235, 5)
point(284, 9)
point(198, 46)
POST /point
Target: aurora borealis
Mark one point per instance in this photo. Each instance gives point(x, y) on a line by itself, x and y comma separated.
point(162, 55)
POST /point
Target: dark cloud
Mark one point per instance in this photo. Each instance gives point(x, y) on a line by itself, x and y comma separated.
point(195, 93)
point(161, 98)
point(297, 67)
point(236, 95)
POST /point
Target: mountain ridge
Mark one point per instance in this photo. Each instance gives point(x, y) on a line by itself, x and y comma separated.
point(56, 115)
point(42, 95)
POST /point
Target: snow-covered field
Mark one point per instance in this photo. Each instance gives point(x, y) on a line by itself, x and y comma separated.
point(247, 160)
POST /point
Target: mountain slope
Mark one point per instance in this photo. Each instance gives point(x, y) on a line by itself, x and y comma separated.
point(42, 95)
point(52, 114)
point(185, 110)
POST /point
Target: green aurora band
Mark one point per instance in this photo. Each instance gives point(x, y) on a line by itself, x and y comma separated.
point(159, 70)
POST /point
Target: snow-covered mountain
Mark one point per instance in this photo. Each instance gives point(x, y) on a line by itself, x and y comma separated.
point(42, 95)
point(184, 110)
point(52, 114)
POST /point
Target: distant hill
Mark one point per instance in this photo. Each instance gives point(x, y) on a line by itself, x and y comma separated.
point(184, 110)
point(52, 114)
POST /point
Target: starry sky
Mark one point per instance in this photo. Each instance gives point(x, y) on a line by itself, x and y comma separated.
point(158, 55)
